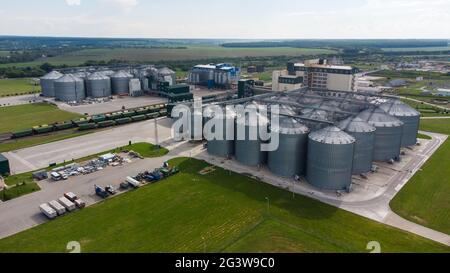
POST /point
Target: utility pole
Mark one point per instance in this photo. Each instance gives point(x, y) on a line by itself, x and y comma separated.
point(156, 133)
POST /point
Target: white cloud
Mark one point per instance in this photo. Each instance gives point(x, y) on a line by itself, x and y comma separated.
point(73, 2)
point(127, 5)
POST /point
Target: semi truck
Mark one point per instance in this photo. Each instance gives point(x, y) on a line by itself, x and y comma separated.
point(48, 211)
point(60, 210)
point(67, 204)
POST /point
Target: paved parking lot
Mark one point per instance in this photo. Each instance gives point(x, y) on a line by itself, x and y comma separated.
point(34, 158)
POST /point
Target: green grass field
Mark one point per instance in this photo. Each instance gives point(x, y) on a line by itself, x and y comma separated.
point(13, 118)
point(166, 54)
point(425, 199)
point(217, 212)
point(14, 87)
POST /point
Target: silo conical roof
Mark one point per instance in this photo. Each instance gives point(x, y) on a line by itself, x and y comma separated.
point(399, 109)
point(289, 126)
point(356, 125)
point(97, 76)
point(54, 75)
point(379, 118)
point(332, 135)
point(121, 74)
point(69, 78)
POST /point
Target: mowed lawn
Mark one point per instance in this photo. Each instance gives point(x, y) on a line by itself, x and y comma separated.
point(426, 198)
point(13, 87)
point(217, 212)
point(14, 118)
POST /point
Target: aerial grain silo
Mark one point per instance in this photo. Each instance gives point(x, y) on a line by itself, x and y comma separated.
point(364, 135)
point(69, 88)
point(330, 159)
point(47, 83)
point(290, 157)
point(388, 136)
point(120, 82)
point(248, 150)
point(98, 85)
point(223, 147)
point(409, 116)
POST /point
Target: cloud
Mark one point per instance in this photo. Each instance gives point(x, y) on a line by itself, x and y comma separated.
point(127, 5)
point(73, 2)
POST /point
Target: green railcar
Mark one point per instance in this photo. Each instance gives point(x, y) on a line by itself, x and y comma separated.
point(63, 126)
point(43, 129)
point(22, 133)
point(99, 118)
point(138, 118)
point(106, 123)
point(152, 115)
point(123, 120)
point(87, 126)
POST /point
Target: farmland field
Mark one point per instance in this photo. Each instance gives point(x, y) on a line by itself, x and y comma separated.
point(216, 212)
point(409, 49)
point(14, 118)
point(168, 54)
point(13, 87)
point(425, 199)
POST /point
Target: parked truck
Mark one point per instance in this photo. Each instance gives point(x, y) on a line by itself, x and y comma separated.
point(60, 210)
point(67, 204)
point(133, 182)
point(101, 192)
point(48, 211)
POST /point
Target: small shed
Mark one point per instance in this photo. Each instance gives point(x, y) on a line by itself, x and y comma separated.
point(4, 165)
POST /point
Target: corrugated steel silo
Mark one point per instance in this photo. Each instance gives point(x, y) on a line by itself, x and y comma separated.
point(316, 115)
point(69, 88)
point(120, 82)
point(364, 134)
point(290, 157)
point(98, 85)
point(409, 116)
point(388, 136)
point(223, 146)
point(47, 83)
point(248, 150)
point(330, 159)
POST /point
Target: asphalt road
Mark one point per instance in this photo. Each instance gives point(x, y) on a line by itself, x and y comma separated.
point(38, 157)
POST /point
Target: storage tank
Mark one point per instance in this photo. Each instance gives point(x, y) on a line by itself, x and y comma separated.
point(316, 115)
point(120, 82)
point(388, 136)
point(47, 83)
point(81, 74)
point(364, 135)
point(290, 157)
point(330, 159)
point(248, 150)
point(69, 88)
point(98, 85)
point(409, 116)
point(196, 116)
point(222, 147)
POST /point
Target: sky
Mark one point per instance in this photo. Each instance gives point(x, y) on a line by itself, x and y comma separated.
point(228, 19)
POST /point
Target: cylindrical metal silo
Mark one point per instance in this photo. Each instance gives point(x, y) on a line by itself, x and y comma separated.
point(120, 82)
point(248, 150)
point(69, 88)
point(47, 83)
point(315, 115)
point(330, 159)
point(290, 157)
point(409, 116)
point(364, 134)
point(98, 85)
point(222, 145)
point(388, 136)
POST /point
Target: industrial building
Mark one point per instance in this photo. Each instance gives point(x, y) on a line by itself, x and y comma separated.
point(77, 84)
point(325, 137)
point(4, 165)
point(214, 75)
point(316, 75)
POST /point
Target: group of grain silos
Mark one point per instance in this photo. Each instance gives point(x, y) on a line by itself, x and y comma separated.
point(80, 85)
point(327, 154)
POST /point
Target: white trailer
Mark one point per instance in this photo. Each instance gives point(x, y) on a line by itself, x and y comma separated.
point(67, 204)
point(60, 210)
point(48, 211)
point(133, 182)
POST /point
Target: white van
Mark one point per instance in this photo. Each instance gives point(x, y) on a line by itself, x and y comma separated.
point(67, 204)
point(48, 211)
point(133, 182)
point(57, 207)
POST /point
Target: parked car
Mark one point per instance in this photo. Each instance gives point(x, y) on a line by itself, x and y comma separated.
point(80, 203)
point(124, 185)
point(71, 196)
point(110, 189)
